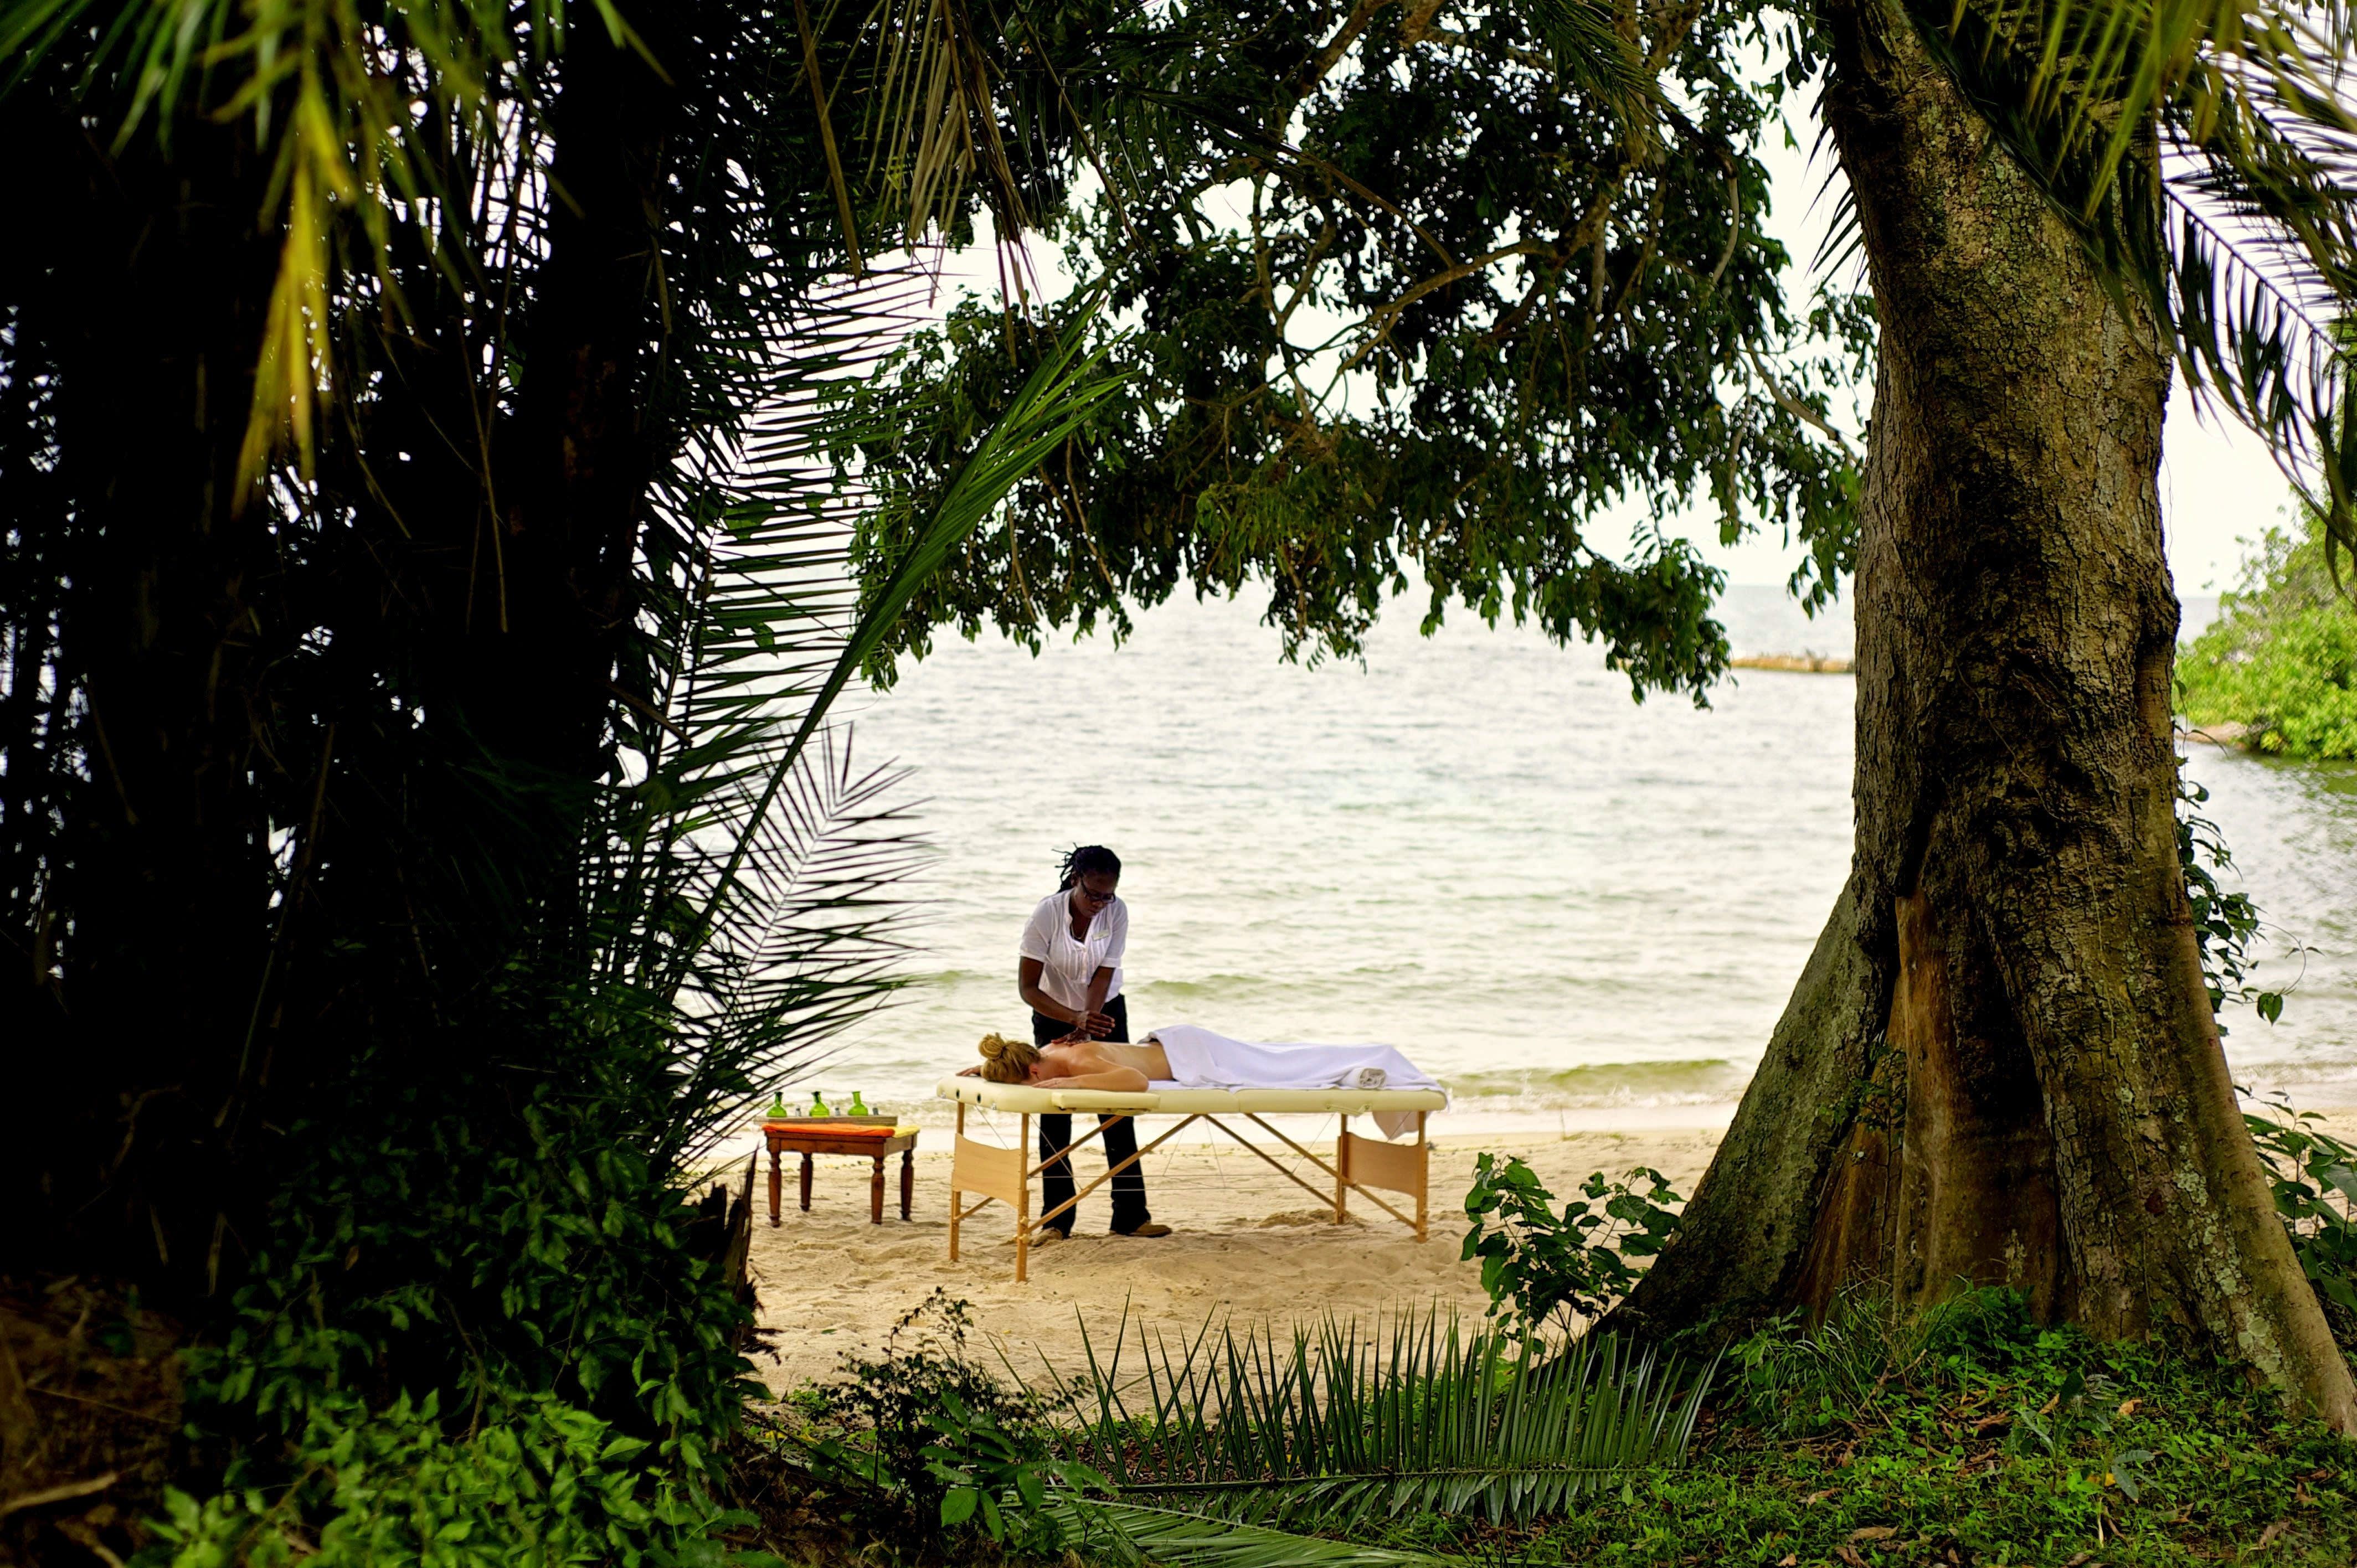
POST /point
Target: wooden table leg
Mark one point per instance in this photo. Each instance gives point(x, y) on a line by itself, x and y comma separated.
point(776, 1186)
point(1342, 1171)
point(1423, 1176)
point(1023, 1211)
point(957, 1198)
point(875, 1194)
point(908, 1180)
point(806, 1175)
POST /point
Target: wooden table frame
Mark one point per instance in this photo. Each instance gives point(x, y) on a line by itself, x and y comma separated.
point(1361, 1164)
point(782, 1140)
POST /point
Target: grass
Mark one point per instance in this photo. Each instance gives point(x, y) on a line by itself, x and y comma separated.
point(1970, 1437)
point(1940, 1460)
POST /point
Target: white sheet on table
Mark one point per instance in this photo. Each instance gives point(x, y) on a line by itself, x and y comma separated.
point(1199, 1059)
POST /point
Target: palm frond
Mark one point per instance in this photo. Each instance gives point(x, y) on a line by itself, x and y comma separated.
point(747, 884)
point(1583, 38)
point(2242, 242)
point(933, 119)
point(335, 98)
point(1054, 401)
point(812, 947)
point(1135, 1535)
point(1336, 1426)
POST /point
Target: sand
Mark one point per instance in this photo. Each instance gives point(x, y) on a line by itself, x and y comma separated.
point(1246, 1241)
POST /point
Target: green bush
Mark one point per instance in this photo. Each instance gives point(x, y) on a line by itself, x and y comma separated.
point(1537, 1264)
point(923, 1442)
point(2313, 1176)
point(471, 1340)
point(2281, 660)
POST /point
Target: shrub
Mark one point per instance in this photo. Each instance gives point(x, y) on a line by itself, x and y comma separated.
point(1536, 1262)
point(925, 1439)
point(2281, 660)
point(470, 1338)
point(2314, 1178)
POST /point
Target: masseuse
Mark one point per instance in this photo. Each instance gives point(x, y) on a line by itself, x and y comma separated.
point(1070, 976)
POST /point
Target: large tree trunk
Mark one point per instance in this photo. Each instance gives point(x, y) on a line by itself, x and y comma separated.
point(149, 290)
point(2000, 1065)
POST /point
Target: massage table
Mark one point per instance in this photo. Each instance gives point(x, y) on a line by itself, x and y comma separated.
point(1361, 1164)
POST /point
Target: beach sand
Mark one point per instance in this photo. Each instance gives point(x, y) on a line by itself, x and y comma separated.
point(1246, 1242)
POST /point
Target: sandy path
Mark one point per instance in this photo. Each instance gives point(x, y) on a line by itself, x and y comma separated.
point(1247, 1241)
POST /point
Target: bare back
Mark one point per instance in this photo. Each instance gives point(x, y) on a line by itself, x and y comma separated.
point(1080, 1057)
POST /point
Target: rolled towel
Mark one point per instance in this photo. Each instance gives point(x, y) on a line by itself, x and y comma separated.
point(1370, 1078)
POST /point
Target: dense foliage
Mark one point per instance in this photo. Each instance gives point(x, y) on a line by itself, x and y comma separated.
point(2279, 664)
point(2313, 1176)
point(1968, 1435)
point(422, 833)
point(1407, 298)
point(458, 1352)
point(926, 1443)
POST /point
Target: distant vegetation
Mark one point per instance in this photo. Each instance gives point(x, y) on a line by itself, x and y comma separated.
point(2280, 662)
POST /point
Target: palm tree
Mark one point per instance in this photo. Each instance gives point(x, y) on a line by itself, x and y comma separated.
point(426, 593)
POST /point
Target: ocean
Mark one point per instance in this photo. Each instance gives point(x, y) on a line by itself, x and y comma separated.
point(1575, 909)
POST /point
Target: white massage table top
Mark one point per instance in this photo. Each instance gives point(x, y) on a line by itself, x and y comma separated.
point(1168, 1098)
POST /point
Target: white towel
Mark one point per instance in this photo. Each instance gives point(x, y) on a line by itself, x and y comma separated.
point(1202, 1060)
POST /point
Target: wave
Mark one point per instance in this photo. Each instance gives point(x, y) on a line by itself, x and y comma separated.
point(1220, 986)
point(1705, 1082)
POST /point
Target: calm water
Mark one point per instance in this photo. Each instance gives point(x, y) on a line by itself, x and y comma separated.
point(1476, 848)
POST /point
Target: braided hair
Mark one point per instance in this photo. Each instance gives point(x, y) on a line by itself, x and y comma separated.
point(1087, 860)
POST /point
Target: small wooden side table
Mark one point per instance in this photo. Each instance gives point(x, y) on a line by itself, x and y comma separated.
point(783, 1140)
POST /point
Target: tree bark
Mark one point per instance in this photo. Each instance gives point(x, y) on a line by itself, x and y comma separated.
point(2001, 1065)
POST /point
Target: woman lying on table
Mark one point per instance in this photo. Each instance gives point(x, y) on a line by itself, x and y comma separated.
point(1190, 1056)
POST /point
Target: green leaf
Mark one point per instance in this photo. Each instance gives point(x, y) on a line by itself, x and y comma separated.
point(1135, 1535)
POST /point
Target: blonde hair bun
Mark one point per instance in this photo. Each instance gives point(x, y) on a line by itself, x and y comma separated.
point(1007, 1061)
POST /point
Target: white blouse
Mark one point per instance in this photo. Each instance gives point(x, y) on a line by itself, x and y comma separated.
point(1066, 965)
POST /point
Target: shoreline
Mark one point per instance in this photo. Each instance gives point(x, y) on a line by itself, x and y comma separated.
point(1448, 1129)
point(1453, 1127)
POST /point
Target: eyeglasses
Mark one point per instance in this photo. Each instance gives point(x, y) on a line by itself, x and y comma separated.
point(1092, 895)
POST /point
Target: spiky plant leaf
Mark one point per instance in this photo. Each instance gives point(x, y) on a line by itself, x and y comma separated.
point(1333, 1427)
point(1135, 1535)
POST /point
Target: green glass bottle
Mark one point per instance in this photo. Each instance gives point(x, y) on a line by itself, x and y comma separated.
point(818, 1105)
point(858, 1106)
point(777, 1110)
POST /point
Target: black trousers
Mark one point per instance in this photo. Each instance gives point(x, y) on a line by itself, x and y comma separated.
point(1119, 1141)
